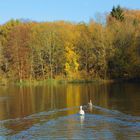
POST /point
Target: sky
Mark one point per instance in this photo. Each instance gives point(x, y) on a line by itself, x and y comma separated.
point(53, 10)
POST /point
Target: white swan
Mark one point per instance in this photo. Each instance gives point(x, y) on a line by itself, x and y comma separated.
point(81, 112)
point(90, 104)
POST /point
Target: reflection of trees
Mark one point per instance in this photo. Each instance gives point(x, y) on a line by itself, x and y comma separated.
point(77, 95)
point(24, 101)
point(124, 97)
point(73, 97)
point(4, 109)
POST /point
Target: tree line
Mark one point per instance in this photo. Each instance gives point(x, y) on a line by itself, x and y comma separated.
point(65, 50)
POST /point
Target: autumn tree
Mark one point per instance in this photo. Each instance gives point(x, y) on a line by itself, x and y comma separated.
point(58, 50)
point(18, 52)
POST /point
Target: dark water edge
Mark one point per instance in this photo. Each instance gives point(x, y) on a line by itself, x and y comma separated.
point(130, 80)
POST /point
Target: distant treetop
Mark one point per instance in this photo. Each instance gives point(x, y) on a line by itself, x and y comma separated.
point(117, 13)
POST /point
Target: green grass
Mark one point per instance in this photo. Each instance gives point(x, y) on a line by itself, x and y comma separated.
point(53, 81)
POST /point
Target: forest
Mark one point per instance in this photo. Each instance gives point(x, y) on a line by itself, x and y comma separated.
point(34, 51)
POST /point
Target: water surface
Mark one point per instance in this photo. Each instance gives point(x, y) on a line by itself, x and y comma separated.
point(50, 111)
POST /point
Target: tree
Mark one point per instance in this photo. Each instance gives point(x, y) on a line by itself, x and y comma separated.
point(38, 51)
point(71, 65)
point(84, 49)
point(117, 13)
point(101, 48)
point(18, 52)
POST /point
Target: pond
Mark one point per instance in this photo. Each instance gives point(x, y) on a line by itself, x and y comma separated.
point(51, 112)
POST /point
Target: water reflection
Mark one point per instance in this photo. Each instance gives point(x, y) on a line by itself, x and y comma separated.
point(82, 118)
point(28, 106)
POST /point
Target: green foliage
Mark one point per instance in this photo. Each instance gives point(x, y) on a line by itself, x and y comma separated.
point(117, 13)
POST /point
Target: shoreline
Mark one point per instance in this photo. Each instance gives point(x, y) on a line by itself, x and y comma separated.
point(67, 81)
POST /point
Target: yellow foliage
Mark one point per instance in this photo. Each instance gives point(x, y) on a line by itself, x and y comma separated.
point(71, 65)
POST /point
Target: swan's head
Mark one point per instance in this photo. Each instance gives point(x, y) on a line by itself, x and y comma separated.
point(80, 107)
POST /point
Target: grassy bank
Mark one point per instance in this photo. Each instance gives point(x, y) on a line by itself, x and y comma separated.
point(5, 82)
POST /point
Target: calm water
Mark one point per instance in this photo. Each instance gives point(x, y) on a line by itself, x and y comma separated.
point(50, 112)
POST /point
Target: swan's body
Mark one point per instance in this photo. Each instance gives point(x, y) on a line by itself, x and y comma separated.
point(90, 104)
point(81, 112)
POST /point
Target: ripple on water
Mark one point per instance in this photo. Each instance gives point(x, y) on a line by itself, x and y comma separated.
point(112, 125)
